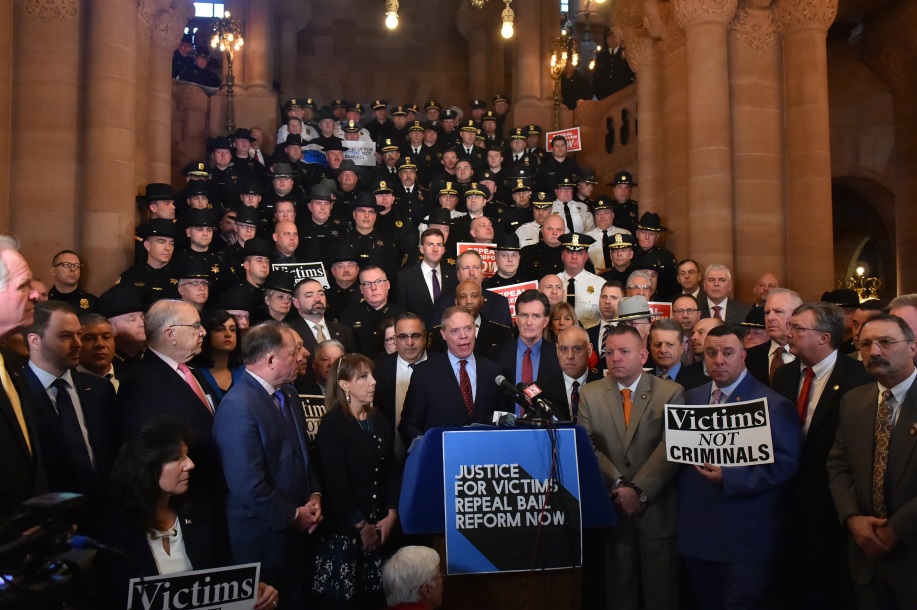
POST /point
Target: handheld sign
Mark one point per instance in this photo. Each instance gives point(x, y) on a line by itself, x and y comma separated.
point(571, 135)
point(488, 256)
point(512, 292)
point(301, 271)
point(230, 588)
point(314, 408)
point(731, 434)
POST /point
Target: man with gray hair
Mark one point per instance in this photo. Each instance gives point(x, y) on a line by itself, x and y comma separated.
point(717, 286)
point(640, 283)
point(412, 579)
point(763, 360)
point(18, 433)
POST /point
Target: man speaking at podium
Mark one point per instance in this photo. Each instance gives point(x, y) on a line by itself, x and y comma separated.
point(452, 389)
point(624, 416)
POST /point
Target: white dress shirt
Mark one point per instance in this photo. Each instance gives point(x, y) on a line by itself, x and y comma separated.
point(822, 372)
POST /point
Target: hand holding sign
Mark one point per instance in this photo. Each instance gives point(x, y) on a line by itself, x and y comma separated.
point(713, 474)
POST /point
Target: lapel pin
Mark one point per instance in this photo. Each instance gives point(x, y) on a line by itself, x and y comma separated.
point(738, 399)
point(643, 396)
point(836, 388)
point(187, 521)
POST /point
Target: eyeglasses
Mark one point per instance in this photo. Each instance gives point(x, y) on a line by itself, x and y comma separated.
point(389, 340)
point(795, 328)
point(884, 343)
point(412, 336)
point(686, 310)
point(378, 282)
point(196, 283)
point(70, 266)
point(576, 349)
point(196, 326)
point(638, 287)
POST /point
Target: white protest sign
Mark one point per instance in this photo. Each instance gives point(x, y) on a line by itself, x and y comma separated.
point(229, 588)
point(731, 434)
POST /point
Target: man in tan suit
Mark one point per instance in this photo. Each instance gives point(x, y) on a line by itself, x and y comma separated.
point(623, 414)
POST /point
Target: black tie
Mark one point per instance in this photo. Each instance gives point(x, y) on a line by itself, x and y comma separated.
point(73, 433)
point(574, 400)
point(606, 251)
point(570, 228)
point(571, 292)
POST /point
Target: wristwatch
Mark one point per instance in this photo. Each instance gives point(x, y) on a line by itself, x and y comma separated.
point(641, 495)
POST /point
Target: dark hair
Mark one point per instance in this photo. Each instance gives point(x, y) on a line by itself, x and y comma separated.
point(531, 296)
point(54, 258)
point(410, 315)
point(429, 232)
point(136, 471)
point(828, 319)
point(347, 368)
point(887, 317)
point(668, 324)
point(380, 342)
point(262, 339)
point(873, 305)
point(214, 319)
point(724, 330)
point(688, 260)
point(43, 312)
point(687, 296)
point(91, 319)
point(624, 329)
point(612, 284)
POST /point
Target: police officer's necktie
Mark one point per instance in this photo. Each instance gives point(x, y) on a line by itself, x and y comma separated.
point(606, 251)
point(880, 455)
point(416, 151)
point(569, 215)
point(571, 292)
point(574, 400)
point(73, 432)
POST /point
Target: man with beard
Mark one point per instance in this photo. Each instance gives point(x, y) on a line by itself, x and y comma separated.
point(310, 304)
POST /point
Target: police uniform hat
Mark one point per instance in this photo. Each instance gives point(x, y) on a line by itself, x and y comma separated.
point(192, 268)
point(412, 108)
point(564, 183)
point(237, 298)
point(196, 217)
point(477, 189)
point(343, 253)
point(243, 134)
point(440, 216)
point(495, 146)
point(257, 247)
point(195, 169)
point(293, 104)
point(119, 301)
point(282, 281)
point(517, 134)
point(542, 200)
point(604, 202)
point(478, 103)
point(508, 242)
point(293, 139)
point(333, 144)
point(650, 221)
point(365, 200)
point(356, 107)
point(187, 39)
point(478, 135)
point(202, 50)
point(501, 97)
point(158, 191)
point(247, 215)
point(534, 130)
point(576, 242)
point(754, 319)
point(588, 177)
point(379, 105)
point(218, 143)
point(399, 111)
point(197, 187)
point(490, 115)
point(447, 189)
point(623, 178)
point(309, 103)
point(281, 170)
point(347, 165)
point(322, 192)
point(325, 114)
point(521, 185)
point(338, 103)
point(416, 126)
point(432, 126)
point(634, 308)
point(381, 187)
point(469, 125)
point(842, 297)
point(432, 104)
point(406, 163)
point(448, 113)
point(158, 227)
point(350, 127)
point(487, 175)
point(621, 240)
point(250, 186)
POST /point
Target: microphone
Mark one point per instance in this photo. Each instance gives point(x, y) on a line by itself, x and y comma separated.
point(518, 395)
point(541, 405)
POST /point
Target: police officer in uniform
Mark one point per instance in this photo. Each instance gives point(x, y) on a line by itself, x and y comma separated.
point(223, 178)
point(410, 197)
point(372, 246)
point(621, 246)
point(648, 255)
point(183, 57)
point(556, 165)
point(319, 230)
point(66, 269)
point(392, 221)
point(583, 287)
point(467, 150)
point(343, 283)
point(200, 226)
point(626, 209)
point(153, 279)
point(366, 316)
point(518, 161)
point(124, 301)
point(520, 212)
point(530, 232)
point(256, 266)
point(380, 127)
point(198, 72)
point(283, 185)
point(243, 165)
point(508, 258)
point(297, 108)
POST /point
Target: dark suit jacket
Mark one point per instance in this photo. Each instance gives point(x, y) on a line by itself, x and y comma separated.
point(412, 293)
point(495, 308)
point(555, 390)
point(153, 389)
point(268, 472)
point(690, 376)
point(97, 400)
point(757, 361)
point(490, 336)
point(736, 311)
point(333, 331)
point(384, 398)
point(505, 355)
point(850, 475)
point(742, 520)
point(22, 476)
point(434, 399)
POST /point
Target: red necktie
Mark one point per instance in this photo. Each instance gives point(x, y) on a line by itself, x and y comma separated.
point(777, 361)
point(195, 386)
point(802, 401)
point(527, 366)
point(465, 387)
point(716, 312)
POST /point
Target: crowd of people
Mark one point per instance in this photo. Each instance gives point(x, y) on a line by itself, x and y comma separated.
point(172, 400)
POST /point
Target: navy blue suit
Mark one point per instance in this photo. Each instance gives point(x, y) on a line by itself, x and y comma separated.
point(434, 399)
point(268, 473)
point(505, 356)
point(738, 527)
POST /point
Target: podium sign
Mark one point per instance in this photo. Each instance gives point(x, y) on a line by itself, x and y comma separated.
point(512, 505)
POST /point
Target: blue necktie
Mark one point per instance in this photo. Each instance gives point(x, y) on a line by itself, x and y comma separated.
point(284, 407)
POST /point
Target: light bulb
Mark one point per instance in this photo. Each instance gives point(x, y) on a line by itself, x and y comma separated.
point(391, 20)
point(507, 30)
point(592, 65)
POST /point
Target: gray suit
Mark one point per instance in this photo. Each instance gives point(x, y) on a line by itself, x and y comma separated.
point(850, 477)
point(645, 543)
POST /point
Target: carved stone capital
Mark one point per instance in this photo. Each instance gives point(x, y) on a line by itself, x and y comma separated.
point(692, 13)
point(800, 15)
point(755, 29)
point(659, 22)
point(50, 10)
point(889, 47)
point(642, 50)
point(189, 97)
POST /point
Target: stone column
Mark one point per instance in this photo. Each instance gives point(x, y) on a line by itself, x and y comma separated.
point(293, 15)
point(528, 68)
point(810, 236)
point(6, 95)
point(144, 88)
point(45, 108)
point(710, 214)
point(756, 79)
point(256, 52)
point(109, 186)
point(189, 123)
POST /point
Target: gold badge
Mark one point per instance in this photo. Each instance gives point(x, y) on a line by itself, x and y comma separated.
point(419, 196)
point(358, 324)
point(215, 269)
point(84, 303)
point(399, 224)
point(618, 238)
point(590, 289)
point(382, 184)
point(174, 281)
point(451, 261)
point(380, 243)
point(139, 284)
